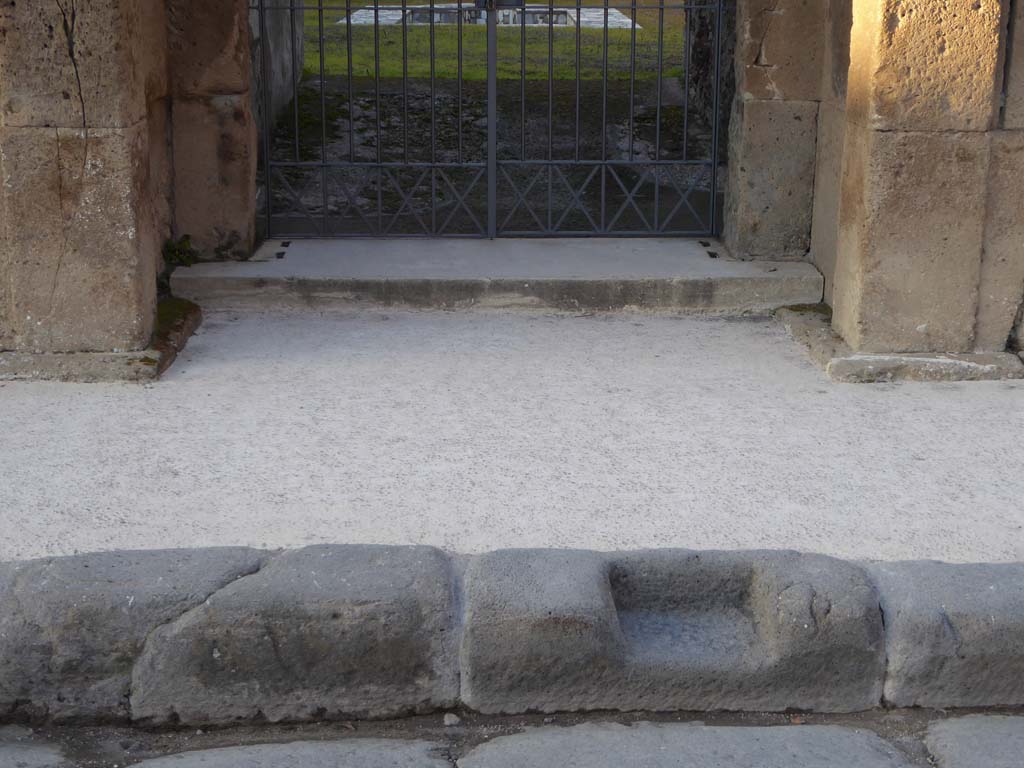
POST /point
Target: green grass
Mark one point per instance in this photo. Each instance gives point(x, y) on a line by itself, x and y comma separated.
point(562, 61)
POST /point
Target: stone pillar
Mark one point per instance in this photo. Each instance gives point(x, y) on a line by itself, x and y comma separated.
point(831, 138)
point(923, 98)
point(82, 172)
point(773, 130)
point(215, 139)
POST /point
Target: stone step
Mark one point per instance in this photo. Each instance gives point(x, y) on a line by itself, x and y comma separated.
point(569, 274)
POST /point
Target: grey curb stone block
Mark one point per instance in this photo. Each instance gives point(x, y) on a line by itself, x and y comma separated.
point(355, 753)
point(72, 627)
point(320, 632)
point(683, 746)
point(550, 630)
point(979, 741)
point(954, 633)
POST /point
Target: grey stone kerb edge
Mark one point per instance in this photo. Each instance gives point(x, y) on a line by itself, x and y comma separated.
point(217, 636)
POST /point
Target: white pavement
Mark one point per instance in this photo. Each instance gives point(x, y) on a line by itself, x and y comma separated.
point(479, 430)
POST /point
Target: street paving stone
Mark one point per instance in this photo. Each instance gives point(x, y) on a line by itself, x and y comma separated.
point(354, 753)
point(683, 746)
point(978, 741)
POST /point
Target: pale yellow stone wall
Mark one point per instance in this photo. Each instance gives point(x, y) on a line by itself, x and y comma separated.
point(83, 173)
point(921, 228)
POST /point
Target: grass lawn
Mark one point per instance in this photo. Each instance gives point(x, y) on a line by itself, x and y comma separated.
point(562, 57)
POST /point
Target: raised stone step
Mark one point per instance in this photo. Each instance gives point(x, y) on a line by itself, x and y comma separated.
point(592, 274)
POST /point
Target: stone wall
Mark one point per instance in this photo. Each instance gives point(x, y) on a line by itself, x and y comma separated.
point(928, 240)
point(780, 48)
point(83, 173)
point(284, 51)
point(215, 134)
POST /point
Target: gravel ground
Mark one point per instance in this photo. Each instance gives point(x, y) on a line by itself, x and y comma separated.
point(478, 430)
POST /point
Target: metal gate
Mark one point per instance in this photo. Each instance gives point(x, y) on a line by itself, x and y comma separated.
point(389, 118)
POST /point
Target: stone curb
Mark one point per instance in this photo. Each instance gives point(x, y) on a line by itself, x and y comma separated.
point(219, 636)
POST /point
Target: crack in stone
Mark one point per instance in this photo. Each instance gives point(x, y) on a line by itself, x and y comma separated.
point(260, 565)
point(69, 17)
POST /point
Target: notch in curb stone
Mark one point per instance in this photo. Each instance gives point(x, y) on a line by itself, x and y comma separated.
point(670, 630)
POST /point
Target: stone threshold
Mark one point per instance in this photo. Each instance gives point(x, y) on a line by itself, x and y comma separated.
point(842, 364)
point(177, 320)
point(681, 275)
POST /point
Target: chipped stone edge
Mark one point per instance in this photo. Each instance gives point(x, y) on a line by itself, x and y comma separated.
point(829, 352)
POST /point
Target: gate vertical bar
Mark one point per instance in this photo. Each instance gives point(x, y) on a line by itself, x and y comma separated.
point(715, 127)
point(492, 120)
point(268, 116)
point(323, 108)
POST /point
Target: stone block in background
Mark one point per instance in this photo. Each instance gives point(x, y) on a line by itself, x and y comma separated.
point(780, 46)
point(769, 195)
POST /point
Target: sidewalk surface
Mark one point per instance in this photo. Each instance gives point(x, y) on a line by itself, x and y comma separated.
point(479, 430)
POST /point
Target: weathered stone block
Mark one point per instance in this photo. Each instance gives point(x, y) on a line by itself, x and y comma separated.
point(554, 631)
point(321, 632)
point(910, 238)
point(208, 47)
point(1013, 116)
point(215, 174)
point(68, 65)
point(72, 627)
point(1001, 290)
point(954, 633)
point(921, 65)
point(79, 239)
point(770, 186)
point(780, 46)
point(827, 186)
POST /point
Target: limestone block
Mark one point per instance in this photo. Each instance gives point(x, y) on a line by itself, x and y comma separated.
point(321, 632)
point(827, 184)
point(926, 65)
point(910, 237)
point(954, 633)
point(70, 65)
point(71, 628)
point(208, 47)
point(780, 45)
point(669, 630)
point(1002, 262)
point(215, 151)
point(79, 237)
point(1013, 116)
point(770, 189)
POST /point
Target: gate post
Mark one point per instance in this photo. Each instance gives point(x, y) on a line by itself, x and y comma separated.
point(83, 173)
point(214, 130)
point(922, 223)
point(773, 129)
